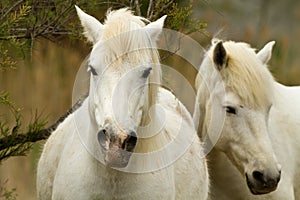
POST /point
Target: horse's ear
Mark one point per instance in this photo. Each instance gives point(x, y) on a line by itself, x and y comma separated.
point(154, 28)
point(266, 52)
point(92, 27)
point(220, 56)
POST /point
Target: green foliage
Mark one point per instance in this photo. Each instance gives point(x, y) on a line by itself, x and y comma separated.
point(10, 20)
point(11, 134)
point(21, 22)
point(6, 61)
point(7, 194)
point(179, 18)
point(5, 130)
point(179, 13)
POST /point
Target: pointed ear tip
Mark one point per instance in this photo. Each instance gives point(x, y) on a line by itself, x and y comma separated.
point(78, 10)
point(272, 42)
point(219, 55)
point(219, 45)
point(215, 41)
point(164, 17)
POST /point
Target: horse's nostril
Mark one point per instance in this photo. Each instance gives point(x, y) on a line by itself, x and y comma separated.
point(259, 176)
point(130, 142)
point(102, 137)
point(103, 131)
point(262, 178)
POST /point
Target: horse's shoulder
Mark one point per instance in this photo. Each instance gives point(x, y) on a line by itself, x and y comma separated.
point(58, 139)
point(51, 156)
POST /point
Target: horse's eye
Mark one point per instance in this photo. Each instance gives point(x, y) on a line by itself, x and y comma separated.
point(146, 72)
point(93, 71)
point(230, 109)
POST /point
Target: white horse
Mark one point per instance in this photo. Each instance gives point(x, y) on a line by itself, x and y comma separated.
point(131, 139)
point(251, 121)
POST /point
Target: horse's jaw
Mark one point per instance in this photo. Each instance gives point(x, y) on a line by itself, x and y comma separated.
point(257, 184)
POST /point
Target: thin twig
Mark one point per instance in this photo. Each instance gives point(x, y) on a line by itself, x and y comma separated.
point(137, 7)
point(54, 21)
point(172, 52)
point(150, 10)
point(112, 3)
point(21, 138)
point(25, 36)
point(161, 9)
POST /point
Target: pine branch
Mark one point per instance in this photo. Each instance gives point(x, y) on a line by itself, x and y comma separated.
point(18, 37)
point(13, 140)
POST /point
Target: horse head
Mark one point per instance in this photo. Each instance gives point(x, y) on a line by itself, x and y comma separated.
point(121, 64)
point(241, 90)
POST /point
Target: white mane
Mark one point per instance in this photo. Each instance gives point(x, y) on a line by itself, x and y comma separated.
point(245, 74)
point(124, 39)
point(123, 30)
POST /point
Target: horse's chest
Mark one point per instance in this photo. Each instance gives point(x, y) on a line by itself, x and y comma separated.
point(82, 177)
point(129, 188)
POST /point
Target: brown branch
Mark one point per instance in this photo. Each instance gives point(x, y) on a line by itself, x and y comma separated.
point(160, 9)
point(118, 4)
point(150, 10)
point(138, 9)
point(172, 52)
point(43, 29)
point(52, 23)
point(24, 36)
point(22, 138)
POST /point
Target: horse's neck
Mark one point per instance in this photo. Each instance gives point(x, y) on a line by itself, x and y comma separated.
point(286, 100)
point(206, 84)
point(86, 131)
point(152, 96)
point(152, 135)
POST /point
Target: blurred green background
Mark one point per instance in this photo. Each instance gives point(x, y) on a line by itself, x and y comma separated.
point(45, 81)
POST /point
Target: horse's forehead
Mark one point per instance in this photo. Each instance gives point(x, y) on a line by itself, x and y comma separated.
point(225, 95)
point(114, 55)
point(231, 97)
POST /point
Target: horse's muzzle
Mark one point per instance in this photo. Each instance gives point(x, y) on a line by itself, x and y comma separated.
point(259, 183)
point(117, 148)
point(117, 158)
